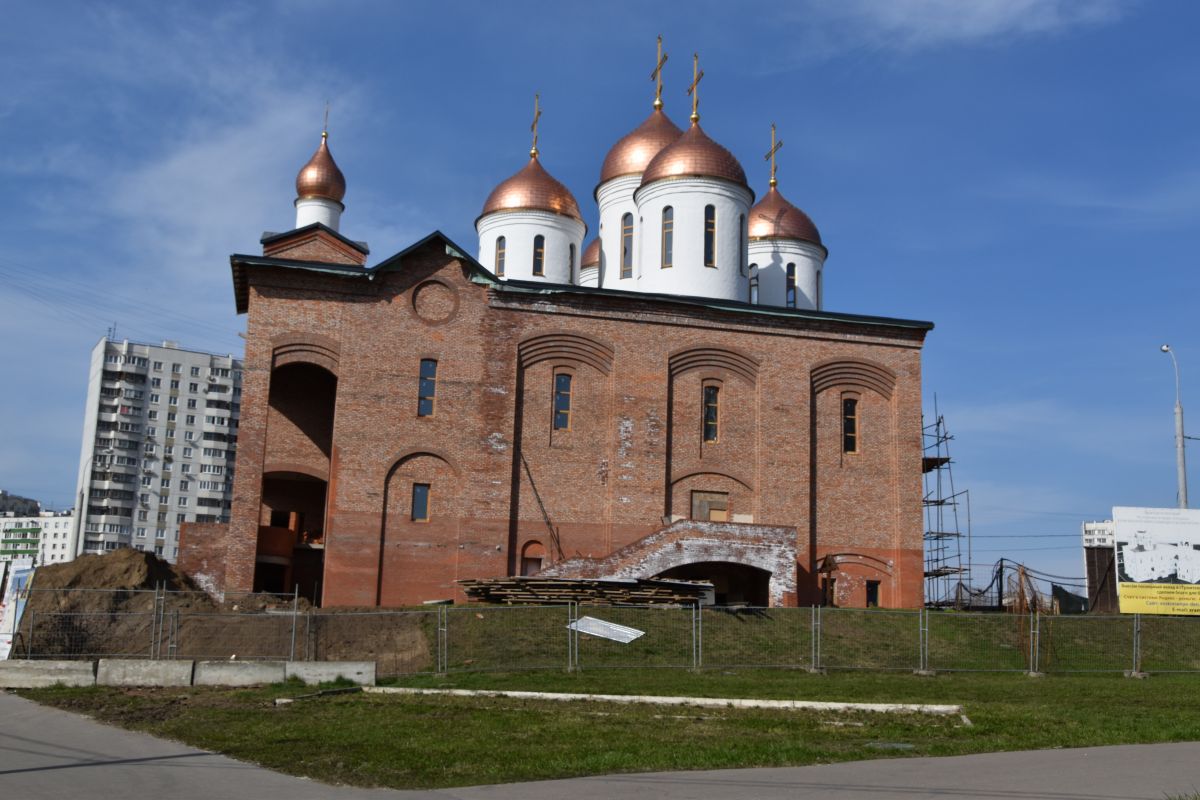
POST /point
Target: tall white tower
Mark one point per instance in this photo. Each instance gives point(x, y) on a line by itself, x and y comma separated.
point(320, 187)
point(693, 203)
point(620, 176)
point(530, 227)
point(786, 255)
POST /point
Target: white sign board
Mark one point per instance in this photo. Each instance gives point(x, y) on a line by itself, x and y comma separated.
point(1158, 560)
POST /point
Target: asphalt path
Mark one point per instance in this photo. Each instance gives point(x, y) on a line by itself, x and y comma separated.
point(52, 754)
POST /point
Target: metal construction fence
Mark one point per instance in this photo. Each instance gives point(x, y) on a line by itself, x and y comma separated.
point(440, 639)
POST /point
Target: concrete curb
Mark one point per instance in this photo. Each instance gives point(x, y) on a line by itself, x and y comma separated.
point(143, 672)
point(238, 673)
point(701, 702)
point(37, 674)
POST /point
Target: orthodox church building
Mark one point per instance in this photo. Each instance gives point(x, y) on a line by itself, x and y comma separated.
point(669, 399)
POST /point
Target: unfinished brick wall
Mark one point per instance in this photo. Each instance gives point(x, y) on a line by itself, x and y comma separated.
point(501, 477)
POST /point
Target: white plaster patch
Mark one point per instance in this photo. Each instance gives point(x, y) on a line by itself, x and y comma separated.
point(496, 442)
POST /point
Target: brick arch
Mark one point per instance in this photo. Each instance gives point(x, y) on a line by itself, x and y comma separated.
point(729, 475)
point(566, 346)
point(724, 358)
point(862, 374)
point(851, 558)
point(398, 460)
point(305, 348)
point(276, 467)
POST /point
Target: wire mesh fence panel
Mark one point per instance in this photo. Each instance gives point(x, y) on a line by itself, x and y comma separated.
point(92, 601)
point(506, 638)
point(1078, 643)
point(1170, 644)
point(221, 636)
point(756, 637)
point(86, 635)
point(399, 642)
point(869, 639)
point(666, 641)
point(978, 642)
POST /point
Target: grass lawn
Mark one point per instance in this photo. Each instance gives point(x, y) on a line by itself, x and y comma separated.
point(421, 742)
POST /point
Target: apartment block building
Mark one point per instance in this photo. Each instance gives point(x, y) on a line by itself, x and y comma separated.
point(159, 438)
point(45, 537)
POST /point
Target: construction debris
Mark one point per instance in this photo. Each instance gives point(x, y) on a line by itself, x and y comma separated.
point(592, 591)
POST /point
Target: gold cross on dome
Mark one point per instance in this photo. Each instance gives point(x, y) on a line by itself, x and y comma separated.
point(325, 124)
point(697, 74)
point(656, 75)
point(537, 114)
point(770, 156)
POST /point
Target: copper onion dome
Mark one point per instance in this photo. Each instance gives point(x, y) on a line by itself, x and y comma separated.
point(634, 151)
point(532, 188)
point(693, 154)
point(774, 217)
point(320, 177)
point(591, 254)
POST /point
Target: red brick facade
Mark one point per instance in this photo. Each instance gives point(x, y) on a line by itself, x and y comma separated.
point(331, 444)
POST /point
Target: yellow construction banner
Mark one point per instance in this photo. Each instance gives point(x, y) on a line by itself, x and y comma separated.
point(1159, 598)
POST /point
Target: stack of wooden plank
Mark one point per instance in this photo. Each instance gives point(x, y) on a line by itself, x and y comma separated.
point(549, 591)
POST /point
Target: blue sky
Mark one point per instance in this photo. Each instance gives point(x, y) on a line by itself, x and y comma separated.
point(1025, 173)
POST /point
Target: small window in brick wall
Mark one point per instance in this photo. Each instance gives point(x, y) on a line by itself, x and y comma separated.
point(872, 594)
point(710, 506)
point(849, 425)
point(420, 502)
point(712, 413)
point(427, 391)
point(562, 401)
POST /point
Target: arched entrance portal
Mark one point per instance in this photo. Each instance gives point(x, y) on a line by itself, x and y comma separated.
point(735, 584)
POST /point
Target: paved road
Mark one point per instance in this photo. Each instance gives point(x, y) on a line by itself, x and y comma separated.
point(46, 753)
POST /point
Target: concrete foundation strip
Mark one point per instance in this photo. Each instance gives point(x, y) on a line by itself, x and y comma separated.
point(701, 702)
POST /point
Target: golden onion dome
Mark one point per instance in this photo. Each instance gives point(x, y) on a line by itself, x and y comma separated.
point(320, 177)
point(774, 217)
point(634, 151)
point(693, 154)
point(532, 188)
point(591, 254)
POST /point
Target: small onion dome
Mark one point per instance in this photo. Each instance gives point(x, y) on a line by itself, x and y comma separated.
point(320, 177)
point(634, 151)
point(774, 217)
point(693, 154)
point(591, 254)
point(532, 188)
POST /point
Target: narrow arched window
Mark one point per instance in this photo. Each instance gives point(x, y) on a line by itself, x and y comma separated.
point(742, 242)
point(627, 246)
point(562, 401)
point(571, 263)
point(539, 255)
point(849, 425)
point(820, 292)
point(500, 247)
point(754, 284)
point(668, 237)
point(710, 236)
point(712, 413)
point(427, 388)
point(791, 285)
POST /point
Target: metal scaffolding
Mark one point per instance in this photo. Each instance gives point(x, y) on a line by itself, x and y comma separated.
point(947, 576)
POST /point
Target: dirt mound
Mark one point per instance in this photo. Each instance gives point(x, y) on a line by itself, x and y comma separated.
point(120, 569)
point(119, 581)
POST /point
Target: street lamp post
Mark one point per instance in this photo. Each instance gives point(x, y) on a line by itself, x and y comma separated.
point(1180, 460)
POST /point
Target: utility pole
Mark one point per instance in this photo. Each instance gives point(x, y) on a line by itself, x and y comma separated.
point(1180, 458)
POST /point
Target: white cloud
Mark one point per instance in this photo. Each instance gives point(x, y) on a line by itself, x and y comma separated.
point(917, 24)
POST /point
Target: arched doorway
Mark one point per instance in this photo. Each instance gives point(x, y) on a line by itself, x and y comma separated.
point(735, 584)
